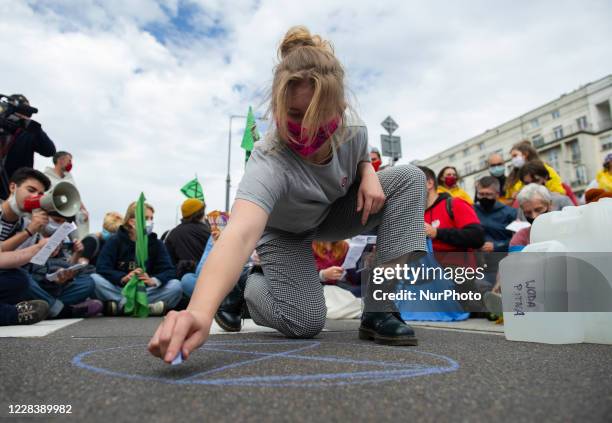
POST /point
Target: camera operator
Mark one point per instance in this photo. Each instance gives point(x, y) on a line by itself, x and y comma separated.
point(19, 142)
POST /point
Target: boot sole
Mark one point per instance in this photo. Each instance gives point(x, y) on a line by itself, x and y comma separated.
point(226, 327)
point(369, 335)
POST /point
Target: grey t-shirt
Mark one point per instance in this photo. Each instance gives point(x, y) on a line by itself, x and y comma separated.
point(295, 193)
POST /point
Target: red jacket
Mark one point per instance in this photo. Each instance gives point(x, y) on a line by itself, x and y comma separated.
point(461, 231)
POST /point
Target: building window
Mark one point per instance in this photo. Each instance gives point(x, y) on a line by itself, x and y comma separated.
point(467, 168)
point(558, 131)
point(466, 152)
point(555, 114)
point(606, 142)
point(581, 175)
point(483, 163)
point(574, 148)
point(538, 140)
point(582, 122)
point(535, 123)
point(553, 158)
point(451, 157)
point(481, 146)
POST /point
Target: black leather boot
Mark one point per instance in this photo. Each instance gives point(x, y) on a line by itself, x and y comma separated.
point(230, 313)
point(386, 328)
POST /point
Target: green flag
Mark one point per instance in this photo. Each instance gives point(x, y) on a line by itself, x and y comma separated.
point(251, 134)
point(193, 189)
point(135, 292)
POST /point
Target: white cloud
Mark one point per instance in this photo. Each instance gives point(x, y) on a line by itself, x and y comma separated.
point(142, 113)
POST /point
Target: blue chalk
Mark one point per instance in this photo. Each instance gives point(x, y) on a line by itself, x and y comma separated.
point(178, 359)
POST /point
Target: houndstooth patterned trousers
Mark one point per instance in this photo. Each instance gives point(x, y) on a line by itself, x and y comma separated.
point(288, 296)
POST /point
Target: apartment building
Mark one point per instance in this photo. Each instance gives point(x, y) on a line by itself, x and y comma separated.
point(572, 133)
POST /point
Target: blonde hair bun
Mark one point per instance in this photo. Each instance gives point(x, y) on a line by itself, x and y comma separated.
point(300, 36)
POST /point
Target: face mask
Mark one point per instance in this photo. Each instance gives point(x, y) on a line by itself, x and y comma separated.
point(450, 181)
point(497, 171)
point(376, 164)
point(300, 143)
point(487, 203)
point(14, 206)
point(51, 227)
point(518, 161)
point(105, 234)
point(149, 227)
point(68, 167)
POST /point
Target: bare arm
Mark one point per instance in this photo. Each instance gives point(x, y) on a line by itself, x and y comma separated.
point(15, 259)
point(226, 259)
point(186, 330)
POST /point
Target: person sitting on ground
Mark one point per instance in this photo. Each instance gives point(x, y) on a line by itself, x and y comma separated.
point(66, 290)
point(19, 232)
point(342, 287)
point(534, 200)
point(116, 265)
point(93, 243)
point(186, 242)
point(522, 153)
point(329, 257)
point(535, 171)
point(494, 216)
point(18, 228)
point(16, 304)
point(450, 222)
point(447, 183)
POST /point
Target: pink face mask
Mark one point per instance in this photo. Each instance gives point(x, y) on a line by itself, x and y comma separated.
point(301, 144)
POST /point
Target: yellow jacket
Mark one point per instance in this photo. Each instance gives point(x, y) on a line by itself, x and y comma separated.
point(553, 184)
point(604, 179)
point(456, 192)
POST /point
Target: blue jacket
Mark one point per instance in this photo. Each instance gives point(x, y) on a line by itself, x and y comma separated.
point(118, 258)
point(495, 222)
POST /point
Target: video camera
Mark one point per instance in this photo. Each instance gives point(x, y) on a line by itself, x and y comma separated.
point(10, 106)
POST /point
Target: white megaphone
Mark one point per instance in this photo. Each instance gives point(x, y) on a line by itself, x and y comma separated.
point(63, 198)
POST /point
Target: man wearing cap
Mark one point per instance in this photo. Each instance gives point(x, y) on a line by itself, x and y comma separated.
point(17, 150)
point(186, 242)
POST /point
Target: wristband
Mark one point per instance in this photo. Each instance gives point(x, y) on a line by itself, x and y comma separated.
point(28, 231)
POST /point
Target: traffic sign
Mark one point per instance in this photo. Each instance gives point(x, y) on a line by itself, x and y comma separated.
point(390, 125)
point(391, 146)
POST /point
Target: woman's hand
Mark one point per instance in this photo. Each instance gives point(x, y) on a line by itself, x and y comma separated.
point(370, 197)
point(430, 231)
point(182, 331)
point(333, 273)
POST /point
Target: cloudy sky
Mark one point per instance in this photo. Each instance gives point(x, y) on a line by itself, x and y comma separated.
point(140, 91)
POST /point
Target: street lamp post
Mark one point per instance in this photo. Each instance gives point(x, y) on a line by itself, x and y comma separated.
point(228, 183)
point(229, 158)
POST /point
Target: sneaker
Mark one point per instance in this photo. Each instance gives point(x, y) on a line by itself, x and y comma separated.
point(30, 312)
point(157, 309)
point(88, 308)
